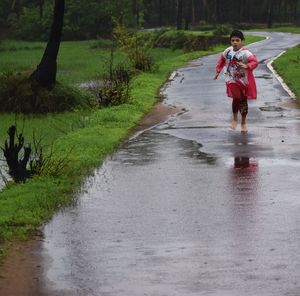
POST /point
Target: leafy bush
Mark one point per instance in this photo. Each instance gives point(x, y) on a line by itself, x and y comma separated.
point(19, 94)
point(30, 26)
point(149, 38)
point(171, 39)
point(88, 20)
point(203, 26)
point(196, 43)
point(116, 85)
point(222, 30)
point(188, 42)
point(102, 43)
point(204, 42)
point(243, 26)
point(135, 48)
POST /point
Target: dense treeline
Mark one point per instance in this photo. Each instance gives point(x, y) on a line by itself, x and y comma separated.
point(165, 12)
point(30, 19)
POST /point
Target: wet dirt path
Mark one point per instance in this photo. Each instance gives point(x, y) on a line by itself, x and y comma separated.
point(189, 207)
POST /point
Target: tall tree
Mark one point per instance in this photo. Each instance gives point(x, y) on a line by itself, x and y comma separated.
point(295, 9)
point(270, 4)
point(218, 9)
point(45, 73)
point(188, 14)
point(160, 13)
point(136, 11)
point(179, 14)
point(205, 10)
point(41, 5)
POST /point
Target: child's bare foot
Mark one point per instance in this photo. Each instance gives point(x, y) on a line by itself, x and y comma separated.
point(244, 128)
point(234, 124)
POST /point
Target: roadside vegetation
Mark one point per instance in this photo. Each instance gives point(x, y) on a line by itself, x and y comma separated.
point(291, 73)
point(280, 28)
point(84, 135)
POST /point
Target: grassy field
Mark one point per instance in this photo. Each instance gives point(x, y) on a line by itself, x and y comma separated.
point(291, 73)
point(286, 29)
point(76, 60)
point(85, 136)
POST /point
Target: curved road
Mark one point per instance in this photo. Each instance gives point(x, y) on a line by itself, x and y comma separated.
point(190, 207)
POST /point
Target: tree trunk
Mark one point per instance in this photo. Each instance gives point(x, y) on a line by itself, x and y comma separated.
point(219, 18)
point(45, 73)
point(193, 11)
point(248, 11)
point(160, 20)
point(179, 14)
point(41, 6)
point(295, 9)
point(136, 11)
point(188, 15)
point(205, 10)
point(270, 13)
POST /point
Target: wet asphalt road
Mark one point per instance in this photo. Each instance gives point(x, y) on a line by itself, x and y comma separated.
point(191, 207)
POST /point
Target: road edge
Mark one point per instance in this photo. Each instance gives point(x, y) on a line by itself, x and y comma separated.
point(279, 78)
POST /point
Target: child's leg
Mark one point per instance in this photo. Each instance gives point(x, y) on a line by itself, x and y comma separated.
point(244, 111)
point(235, 112)
point(239, 103)
point(236, 95)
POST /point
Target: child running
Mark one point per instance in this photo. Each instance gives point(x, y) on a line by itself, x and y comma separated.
point(240, 82)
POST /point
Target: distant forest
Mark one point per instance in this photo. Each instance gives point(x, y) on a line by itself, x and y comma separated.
point(31, 19)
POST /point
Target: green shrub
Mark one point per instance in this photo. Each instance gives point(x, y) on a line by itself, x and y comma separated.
point(188, 42)
point(243, 26)
point(102, 43)
point(171, 39)
point(18, 94)
point(30, 26)
point(80, 21)
point(196, 43)
point(222, 30)
point(149, 38)
point(203, 26)
point(135, 48)
point(116, 86)
point(204, 42)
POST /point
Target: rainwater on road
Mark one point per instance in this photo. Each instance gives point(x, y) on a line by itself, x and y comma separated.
point(190, 207)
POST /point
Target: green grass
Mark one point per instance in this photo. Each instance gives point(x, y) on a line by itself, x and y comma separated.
point(76, 60)
point(286, 29)
point(87, 137)
point(291, 73)
point(56, 125)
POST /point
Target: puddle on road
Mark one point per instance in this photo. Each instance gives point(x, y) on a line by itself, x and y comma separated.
point(264, 76)
point(143, 150)
point(272, 109)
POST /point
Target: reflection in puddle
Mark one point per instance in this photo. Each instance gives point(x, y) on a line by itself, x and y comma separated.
point(244, 176)
point(244, 162)
point(244, 203)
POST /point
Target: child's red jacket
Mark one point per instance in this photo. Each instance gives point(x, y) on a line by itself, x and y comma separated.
point(236, 74)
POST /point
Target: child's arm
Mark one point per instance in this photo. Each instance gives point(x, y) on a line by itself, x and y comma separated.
point(220, 65)
point(252, 62)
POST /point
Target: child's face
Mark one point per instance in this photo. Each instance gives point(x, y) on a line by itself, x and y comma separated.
point(236, 42)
